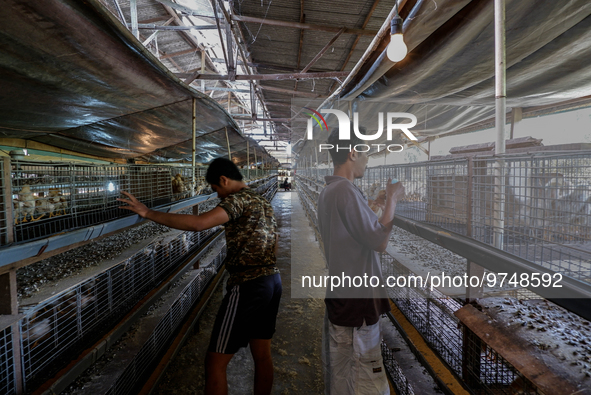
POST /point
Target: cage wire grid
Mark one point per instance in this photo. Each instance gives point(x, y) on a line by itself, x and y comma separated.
point(432, 313)
point(547, 221)
point(485, 372)
point(547, 203)
point(7, 371)
point(61, 324)
point(395, 373)
point(49, 198)
point(162, 335)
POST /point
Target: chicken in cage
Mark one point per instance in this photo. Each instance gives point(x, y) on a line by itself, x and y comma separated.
point(44, 205)
point(179, 185)
point(24, 206)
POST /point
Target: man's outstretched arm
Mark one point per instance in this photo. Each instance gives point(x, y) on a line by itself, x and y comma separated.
point(217, 216)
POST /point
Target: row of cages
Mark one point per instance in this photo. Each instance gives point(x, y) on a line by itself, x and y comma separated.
point(42, 199)
point(540, 204)
point(483, 370)
point(432, 314)
point(55, 331)
point(395, 373)
point(140, 368)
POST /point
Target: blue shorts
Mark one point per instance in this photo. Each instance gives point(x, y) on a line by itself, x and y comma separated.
point(248, 311)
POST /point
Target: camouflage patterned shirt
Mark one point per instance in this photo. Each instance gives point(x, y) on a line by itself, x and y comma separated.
point(250, 236)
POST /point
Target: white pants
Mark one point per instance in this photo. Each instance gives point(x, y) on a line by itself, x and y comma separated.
point(352, 360)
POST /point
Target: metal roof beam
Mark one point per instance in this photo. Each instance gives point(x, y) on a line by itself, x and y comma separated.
point(305, 26)
point(302, 20)
point(264, 77)
point(180, 53)
point(183, 9)
point(367, 18)
point(290, 92)
point(261, 119)
point(151, 26)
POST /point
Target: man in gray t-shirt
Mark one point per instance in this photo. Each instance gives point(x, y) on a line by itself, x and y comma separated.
point(353, 235)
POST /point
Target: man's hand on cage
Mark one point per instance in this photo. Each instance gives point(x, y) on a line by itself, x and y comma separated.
point(134, 205)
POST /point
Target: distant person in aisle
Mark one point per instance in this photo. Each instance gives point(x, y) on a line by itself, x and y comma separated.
point(353, 235)
point(248, 312)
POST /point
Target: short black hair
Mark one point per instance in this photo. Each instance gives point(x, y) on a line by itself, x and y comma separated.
point(340, 156)
point(222, 167)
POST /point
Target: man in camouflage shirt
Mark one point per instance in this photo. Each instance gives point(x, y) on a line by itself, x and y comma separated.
point(250, 236)
point(249, 309)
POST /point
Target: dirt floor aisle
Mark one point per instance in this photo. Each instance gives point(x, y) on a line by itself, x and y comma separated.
point(296, 344)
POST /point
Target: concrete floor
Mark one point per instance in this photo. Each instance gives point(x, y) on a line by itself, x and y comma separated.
point(297, 342)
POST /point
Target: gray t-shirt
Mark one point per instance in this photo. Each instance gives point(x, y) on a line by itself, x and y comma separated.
point(351, 233)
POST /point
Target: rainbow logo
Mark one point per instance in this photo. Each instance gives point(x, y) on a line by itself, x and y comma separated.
point(313, 115)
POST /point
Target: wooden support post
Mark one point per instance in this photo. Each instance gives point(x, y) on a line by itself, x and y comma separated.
point(8, 212)
point(8, 295)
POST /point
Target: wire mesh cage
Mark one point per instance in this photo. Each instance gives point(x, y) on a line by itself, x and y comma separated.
point(430, 312)
point(547, 209)
point(395, 374)
point(164, 332)
point(7, 371)
point(485, 372)
point(63, 323)
point(41, 195)
point(49, 198)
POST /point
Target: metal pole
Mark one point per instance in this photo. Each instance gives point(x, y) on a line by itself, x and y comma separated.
point(500, 118)
point(256, 167)
point(247, 160)
point(472, 293)
point(228, 142)
point(316, 154)
point(134, 26)
point(203, 70)
point(193, 163)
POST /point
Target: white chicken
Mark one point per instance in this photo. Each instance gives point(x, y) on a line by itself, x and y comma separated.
point(18, 210)
point(26, 197)
point(58, 200)
point(44, 205)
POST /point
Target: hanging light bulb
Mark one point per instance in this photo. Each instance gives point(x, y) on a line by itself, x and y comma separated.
point(397, 48)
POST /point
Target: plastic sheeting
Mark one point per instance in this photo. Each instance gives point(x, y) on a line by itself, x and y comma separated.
point(447, 79)
point(73, 77)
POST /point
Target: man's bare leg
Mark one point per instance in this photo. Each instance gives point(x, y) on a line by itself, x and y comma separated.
point(216, 382)
point(263, 366)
